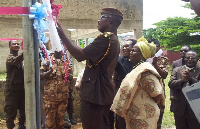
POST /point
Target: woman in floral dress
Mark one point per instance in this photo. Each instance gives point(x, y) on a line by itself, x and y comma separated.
point(140, 91)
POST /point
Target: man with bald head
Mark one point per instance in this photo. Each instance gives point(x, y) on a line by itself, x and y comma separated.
point(14, 87)
point(182, 76)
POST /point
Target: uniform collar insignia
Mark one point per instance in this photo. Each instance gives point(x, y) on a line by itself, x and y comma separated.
point(106, 34)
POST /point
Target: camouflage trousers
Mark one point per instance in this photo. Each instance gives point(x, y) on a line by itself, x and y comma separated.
point(55, 104)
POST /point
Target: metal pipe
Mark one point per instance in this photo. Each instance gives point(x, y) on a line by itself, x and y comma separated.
point(37, 75)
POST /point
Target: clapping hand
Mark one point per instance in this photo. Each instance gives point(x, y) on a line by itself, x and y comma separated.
point(186, 75)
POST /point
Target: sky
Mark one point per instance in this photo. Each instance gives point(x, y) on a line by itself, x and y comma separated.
point(157, 10)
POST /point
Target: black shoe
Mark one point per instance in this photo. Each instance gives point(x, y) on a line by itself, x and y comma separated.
point(73, 122)
point(21, 127)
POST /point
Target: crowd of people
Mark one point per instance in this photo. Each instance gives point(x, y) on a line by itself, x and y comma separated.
point(122, 91)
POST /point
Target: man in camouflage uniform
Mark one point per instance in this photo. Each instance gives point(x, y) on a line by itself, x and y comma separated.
point(161, 64)
point(55, 94)
point(14, 87)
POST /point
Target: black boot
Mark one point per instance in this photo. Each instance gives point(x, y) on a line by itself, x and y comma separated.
point(73, 122)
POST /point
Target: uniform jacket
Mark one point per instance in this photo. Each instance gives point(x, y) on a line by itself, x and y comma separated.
point(97, 86)
point(177, 63)
point(123, 67)
point(15, 74)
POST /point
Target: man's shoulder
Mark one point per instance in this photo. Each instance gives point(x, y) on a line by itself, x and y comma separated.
point(198, 67)
point(120, 58)
point(104, 35)
point(179, 68)
point(107, 34)
point(10, 56)
point(177, 61)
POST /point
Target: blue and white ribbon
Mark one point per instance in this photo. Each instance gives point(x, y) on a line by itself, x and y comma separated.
point(39, 14)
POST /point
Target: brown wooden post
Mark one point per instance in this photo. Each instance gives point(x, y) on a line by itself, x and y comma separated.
point(29, 70)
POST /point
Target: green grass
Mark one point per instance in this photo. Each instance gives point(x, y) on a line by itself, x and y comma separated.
point(168, 118)
point(3, 75)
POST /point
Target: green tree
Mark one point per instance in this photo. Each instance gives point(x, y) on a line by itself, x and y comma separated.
point(82, 43)
point(150, 34)
point(175, 32)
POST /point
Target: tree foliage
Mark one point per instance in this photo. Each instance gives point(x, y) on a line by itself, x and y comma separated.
point(173, 33)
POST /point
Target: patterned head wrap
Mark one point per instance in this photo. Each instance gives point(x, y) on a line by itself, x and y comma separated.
point(148, 50)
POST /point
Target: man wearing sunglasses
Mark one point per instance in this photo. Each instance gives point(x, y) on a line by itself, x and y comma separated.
point(178, 63)
point(97, 90)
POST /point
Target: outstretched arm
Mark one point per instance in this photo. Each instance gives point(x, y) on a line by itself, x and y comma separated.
point(74, 50)
point(45, 75)
point(15, 60)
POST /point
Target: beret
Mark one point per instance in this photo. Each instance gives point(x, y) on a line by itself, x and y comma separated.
point(112, 11)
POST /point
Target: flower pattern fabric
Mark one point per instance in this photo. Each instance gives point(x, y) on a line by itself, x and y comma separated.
point(134, 100)
point(125, 93)
point(150, 110)
point(148, 85)
point(139, 124)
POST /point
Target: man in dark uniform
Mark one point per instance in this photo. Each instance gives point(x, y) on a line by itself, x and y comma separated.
point(14, 87)
point(182, 76)
point(178, 63)
point(97, 90)
point(123, 67)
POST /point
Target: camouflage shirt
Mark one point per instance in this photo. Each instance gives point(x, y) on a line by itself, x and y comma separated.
point(59, 71)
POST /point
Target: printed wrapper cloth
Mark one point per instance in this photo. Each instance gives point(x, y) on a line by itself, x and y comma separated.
point(122, 103)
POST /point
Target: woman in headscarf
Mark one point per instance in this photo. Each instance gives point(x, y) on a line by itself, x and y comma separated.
point(140, 91)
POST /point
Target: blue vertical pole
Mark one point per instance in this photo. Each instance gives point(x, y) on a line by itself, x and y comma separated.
point(37, 74)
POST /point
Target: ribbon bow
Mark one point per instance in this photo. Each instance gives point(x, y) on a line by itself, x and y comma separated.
point(39, 13)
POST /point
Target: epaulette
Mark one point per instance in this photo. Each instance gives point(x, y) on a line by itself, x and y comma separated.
point(107, 34)
point(146, 73)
